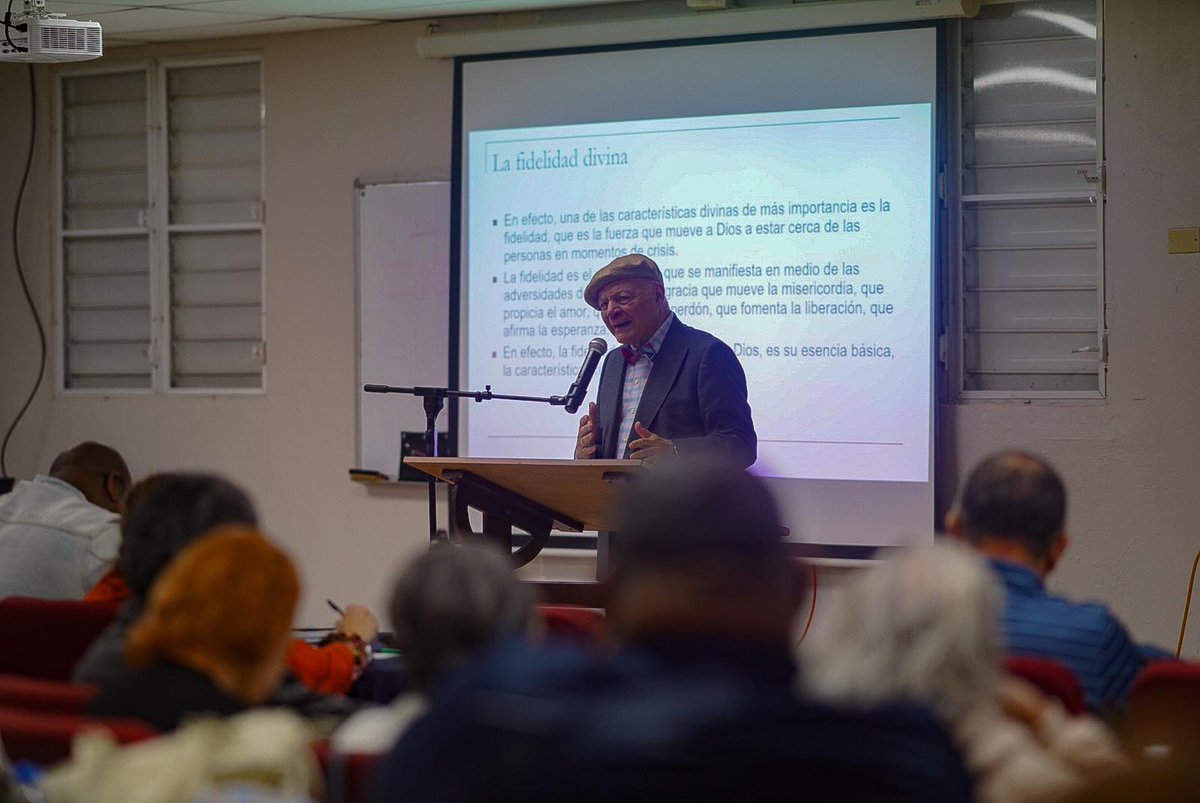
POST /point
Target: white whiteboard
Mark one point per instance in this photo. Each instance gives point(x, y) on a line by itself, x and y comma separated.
point(403, 245)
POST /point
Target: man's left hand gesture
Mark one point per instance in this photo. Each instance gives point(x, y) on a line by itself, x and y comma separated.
point(648, 446)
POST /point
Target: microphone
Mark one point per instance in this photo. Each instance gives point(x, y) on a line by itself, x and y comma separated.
point(578, 391)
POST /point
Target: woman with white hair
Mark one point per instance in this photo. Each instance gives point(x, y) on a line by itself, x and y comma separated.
point(923, 627)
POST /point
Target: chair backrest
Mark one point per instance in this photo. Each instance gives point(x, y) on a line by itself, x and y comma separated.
point(39, 694)
point(1052, 677)
point(45, 738)
point(349, 777)
point(570, 623)
point(1164, 708)
point(45, 638)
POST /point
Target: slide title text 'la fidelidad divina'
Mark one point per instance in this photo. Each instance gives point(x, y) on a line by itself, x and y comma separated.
point(559, 159)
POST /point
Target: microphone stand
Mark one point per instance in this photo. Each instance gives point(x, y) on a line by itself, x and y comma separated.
point(434, 400)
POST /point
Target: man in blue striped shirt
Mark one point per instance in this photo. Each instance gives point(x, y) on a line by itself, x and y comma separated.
point(1013, 510)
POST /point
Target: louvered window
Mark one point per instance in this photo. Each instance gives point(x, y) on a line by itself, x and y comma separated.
point(1031, 205)
point(162, 228)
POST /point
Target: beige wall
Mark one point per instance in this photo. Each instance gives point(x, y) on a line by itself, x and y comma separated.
point(1132, 462)
point(358, 103)
point(355, 103)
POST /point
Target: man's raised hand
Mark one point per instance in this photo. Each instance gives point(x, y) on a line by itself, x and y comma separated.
point(585, 441)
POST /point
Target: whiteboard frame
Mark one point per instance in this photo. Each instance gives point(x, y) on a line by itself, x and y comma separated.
point(363, 192)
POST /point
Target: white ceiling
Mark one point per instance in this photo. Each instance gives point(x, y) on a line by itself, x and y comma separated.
point(173, 20)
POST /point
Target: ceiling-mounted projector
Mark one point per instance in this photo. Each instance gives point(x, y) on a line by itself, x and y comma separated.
point(40, 36)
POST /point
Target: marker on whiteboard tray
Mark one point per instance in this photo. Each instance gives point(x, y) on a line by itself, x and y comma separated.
point(367, 475)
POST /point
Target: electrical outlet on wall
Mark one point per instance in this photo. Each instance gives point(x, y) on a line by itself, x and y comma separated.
point(1183, 241)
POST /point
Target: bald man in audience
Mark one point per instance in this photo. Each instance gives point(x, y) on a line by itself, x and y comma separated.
point(696, 704)
point(1013, 511)
point(59, 533)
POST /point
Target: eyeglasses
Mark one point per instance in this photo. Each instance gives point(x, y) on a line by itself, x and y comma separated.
point(623, 301)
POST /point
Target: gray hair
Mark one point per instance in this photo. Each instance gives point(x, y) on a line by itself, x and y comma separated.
point(921, 626)
point(452, 602)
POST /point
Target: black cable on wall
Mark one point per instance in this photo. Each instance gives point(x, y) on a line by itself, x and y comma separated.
point(16, 249)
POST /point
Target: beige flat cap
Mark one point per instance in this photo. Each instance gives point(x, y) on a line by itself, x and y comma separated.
point(630, 266)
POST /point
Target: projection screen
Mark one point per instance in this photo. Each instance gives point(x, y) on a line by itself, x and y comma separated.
point(785, 186)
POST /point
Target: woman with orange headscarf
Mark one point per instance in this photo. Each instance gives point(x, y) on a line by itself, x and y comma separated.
point(213, 635)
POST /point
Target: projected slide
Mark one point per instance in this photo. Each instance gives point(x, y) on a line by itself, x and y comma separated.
point(802, 239)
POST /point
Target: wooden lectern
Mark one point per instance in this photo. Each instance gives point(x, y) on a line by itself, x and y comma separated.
point(536, 496)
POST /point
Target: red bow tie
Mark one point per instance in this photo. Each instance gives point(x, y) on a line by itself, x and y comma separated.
point(632, 355)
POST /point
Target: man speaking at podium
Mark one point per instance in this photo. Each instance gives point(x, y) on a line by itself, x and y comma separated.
point(670, 389)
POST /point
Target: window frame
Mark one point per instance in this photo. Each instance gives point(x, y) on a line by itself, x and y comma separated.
point(156, 227)
point(955, 336)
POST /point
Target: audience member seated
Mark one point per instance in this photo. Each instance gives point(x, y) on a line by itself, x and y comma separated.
point(212, 635)
point(11, 789)
point(696, 705)
point(260, 756)
point(165, 514)
point(1013, 512)
point(333, 664)
point(59, 533)
point(112, 586)
point(449, 604)
point(923, 626)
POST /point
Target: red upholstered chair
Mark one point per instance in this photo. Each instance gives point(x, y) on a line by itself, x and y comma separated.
point(45, 738)
point(45, 638)
point(1164, 708)
point(1052, 677)
point(569, 623)
point(38, 694)
point(349, 778)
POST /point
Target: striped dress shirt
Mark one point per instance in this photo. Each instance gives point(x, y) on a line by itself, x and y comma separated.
point(635, 384)
point(1086, 637)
